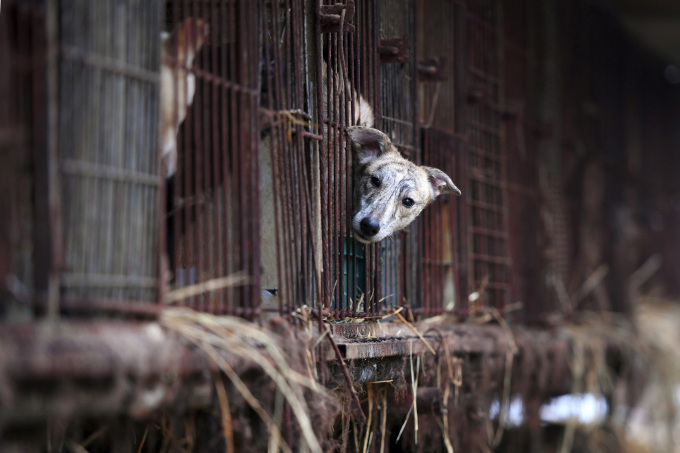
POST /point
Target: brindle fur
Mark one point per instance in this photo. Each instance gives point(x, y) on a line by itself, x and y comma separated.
point(376, 156)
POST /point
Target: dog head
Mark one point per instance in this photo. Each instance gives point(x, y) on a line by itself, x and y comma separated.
point(389, 191)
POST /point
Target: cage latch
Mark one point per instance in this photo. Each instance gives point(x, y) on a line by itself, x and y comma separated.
point(432, 69)
point(332, 15)
point(393, 50)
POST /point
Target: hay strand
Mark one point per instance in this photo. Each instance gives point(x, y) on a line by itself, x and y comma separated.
point(214, 334)
point(410, 326)
point(414, 389)
point(348, 379)
point(209, 286)
point(143, 441)
point(370, 416)
point(444, 423)
point(383, 422)
point(225, 413)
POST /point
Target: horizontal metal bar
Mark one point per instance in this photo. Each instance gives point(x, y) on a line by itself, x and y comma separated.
point(101, 281)
point(485, 127)
point(495, 182)
point(481, 152)
point(91, 170)
point(437, 262)
point(490, 258)
point(108, 64)
point(487, 206)
point(484, 75)
point(75, 305)
point(493, 285)
point(487, 232)
point(212, 78)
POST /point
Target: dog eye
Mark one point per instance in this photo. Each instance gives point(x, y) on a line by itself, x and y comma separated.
point(375, 181)
point(408, 202)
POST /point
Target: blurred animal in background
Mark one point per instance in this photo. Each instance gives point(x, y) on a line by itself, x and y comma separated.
point(389, 191)
point(358, 108)
point(178, 85)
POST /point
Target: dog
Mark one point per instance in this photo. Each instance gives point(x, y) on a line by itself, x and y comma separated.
point(178, 85)
point(389, 191)
point(358, 107)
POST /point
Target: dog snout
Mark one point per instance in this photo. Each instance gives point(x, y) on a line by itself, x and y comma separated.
point(369, 227)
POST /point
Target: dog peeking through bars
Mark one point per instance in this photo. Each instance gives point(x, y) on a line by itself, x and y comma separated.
point(389, 191)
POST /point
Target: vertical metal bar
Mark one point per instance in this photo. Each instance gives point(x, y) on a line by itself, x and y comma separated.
point(323, 167)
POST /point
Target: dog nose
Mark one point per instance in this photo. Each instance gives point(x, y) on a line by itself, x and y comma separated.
point(369, 227)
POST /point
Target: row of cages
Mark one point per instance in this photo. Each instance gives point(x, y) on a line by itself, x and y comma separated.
point(195, 153)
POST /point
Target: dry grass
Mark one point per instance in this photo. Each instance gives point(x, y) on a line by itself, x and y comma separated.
point(221, 336)
point(655, 423)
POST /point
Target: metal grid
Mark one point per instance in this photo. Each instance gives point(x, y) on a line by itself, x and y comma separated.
point(440, 263)
point(262, 94)
point(488, 259)
point(289, 157)
point(108, 100)
point(213, 197)
point(352, 282)
point(443, 109)
point(398, 100)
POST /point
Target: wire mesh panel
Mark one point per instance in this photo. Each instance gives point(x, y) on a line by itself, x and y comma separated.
point(209, 147)
point(489, 260)
point(398, 79)
point(108, 98)
point(438, 273)
point(443, 78)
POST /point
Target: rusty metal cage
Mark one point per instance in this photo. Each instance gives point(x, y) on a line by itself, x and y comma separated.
point(289, 157)
point(212, 197)
point(258, 205)
point(352, 279)
point(108, 109)
point(462, 104)
point(398, 107)
point(442, 74)
point(489, 261)
point(82, 89)
point(440, 260)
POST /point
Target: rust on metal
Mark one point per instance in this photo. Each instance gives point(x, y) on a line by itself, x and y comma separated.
point(432, 69)
point(212, 207)
point(393, 50)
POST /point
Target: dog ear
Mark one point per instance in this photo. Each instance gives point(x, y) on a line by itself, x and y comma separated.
point(441, 183)
point(369, 143)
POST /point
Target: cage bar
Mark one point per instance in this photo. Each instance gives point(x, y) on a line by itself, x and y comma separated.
point(398, 100)
point(213, 196)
